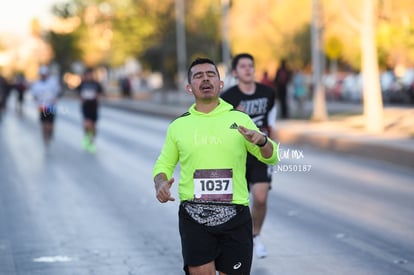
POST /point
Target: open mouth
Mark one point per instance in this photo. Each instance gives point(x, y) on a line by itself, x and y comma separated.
point(206, 88)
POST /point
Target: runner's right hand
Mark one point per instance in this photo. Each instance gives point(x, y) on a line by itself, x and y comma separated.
point(163, 191)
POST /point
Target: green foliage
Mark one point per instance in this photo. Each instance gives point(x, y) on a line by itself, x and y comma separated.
point(203, 31)
point(202, 37)
point(300, 50)
point(112, 31)
point(65, 48)
point(64, 45)
point(135, 29)
point(333, 47)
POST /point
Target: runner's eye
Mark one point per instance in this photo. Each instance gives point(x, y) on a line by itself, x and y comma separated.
point(198, 75)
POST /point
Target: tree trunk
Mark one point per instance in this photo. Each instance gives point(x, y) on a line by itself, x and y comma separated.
point(373, 108)
point(318, 66)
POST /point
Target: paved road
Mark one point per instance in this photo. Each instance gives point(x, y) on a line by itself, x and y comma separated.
point(70, 212)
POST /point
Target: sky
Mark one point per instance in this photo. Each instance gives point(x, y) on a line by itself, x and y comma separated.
point(16, 15)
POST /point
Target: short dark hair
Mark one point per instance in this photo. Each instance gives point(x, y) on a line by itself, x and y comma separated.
point(236, 59)
point(198, 61)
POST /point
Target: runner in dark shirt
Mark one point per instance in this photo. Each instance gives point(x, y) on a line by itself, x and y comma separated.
point(89, 91)
point(258, 101)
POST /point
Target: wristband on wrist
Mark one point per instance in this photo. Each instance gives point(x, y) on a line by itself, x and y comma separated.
point(264, 143)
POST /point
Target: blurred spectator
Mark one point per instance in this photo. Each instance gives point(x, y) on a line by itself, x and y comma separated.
point(266, 80)
point(333, 86)
point(300, 91)
point(408, 84)
point(397, 85)
point(352, 87)
point(282, 79)
point(5, 88)
point(20, 86)
point(386, 81)
point(125, 85)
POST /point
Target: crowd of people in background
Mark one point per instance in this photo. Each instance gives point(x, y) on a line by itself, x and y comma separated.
point(289, 84)
point(45, 91)
point(19, 85)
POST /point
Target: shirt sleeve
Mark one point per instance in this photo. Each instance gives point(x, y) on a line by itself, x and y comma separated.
point(255, 150)
point(168, 158)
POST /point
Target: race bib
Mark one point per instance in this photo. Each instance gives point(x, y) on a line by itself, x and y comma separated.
point(88, 94)
point(213, 185)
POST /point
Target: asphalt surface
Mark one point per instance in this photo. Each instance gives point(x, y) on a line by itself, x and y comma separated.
point(343, 132)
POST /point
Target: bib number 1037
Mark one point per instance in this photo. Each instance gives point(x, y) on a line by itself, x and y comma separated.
point(213, 184)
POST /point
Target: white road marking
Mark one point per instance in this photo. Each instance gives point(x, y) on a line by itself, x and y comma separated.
point(53, 259)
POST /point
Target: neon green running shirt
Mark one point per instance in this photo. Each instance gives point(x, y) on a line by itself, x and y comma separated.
point(212, 154)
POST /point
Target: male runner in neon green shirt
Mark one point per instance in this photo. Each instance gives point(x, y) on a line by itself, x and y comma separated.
point(211, 142)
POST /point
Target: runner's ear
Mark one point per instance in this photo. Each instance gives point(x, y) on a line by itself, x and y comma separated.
point(189, 89)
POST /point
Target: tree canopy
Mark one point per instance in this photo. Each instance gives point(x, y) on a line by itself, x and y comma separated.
point(108, 32)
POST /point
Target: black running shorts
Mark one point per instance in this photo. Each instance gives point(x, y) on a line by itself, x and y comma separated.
point(90, 110)
point(257, 171)
point(230, 244)
point(47, 115)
